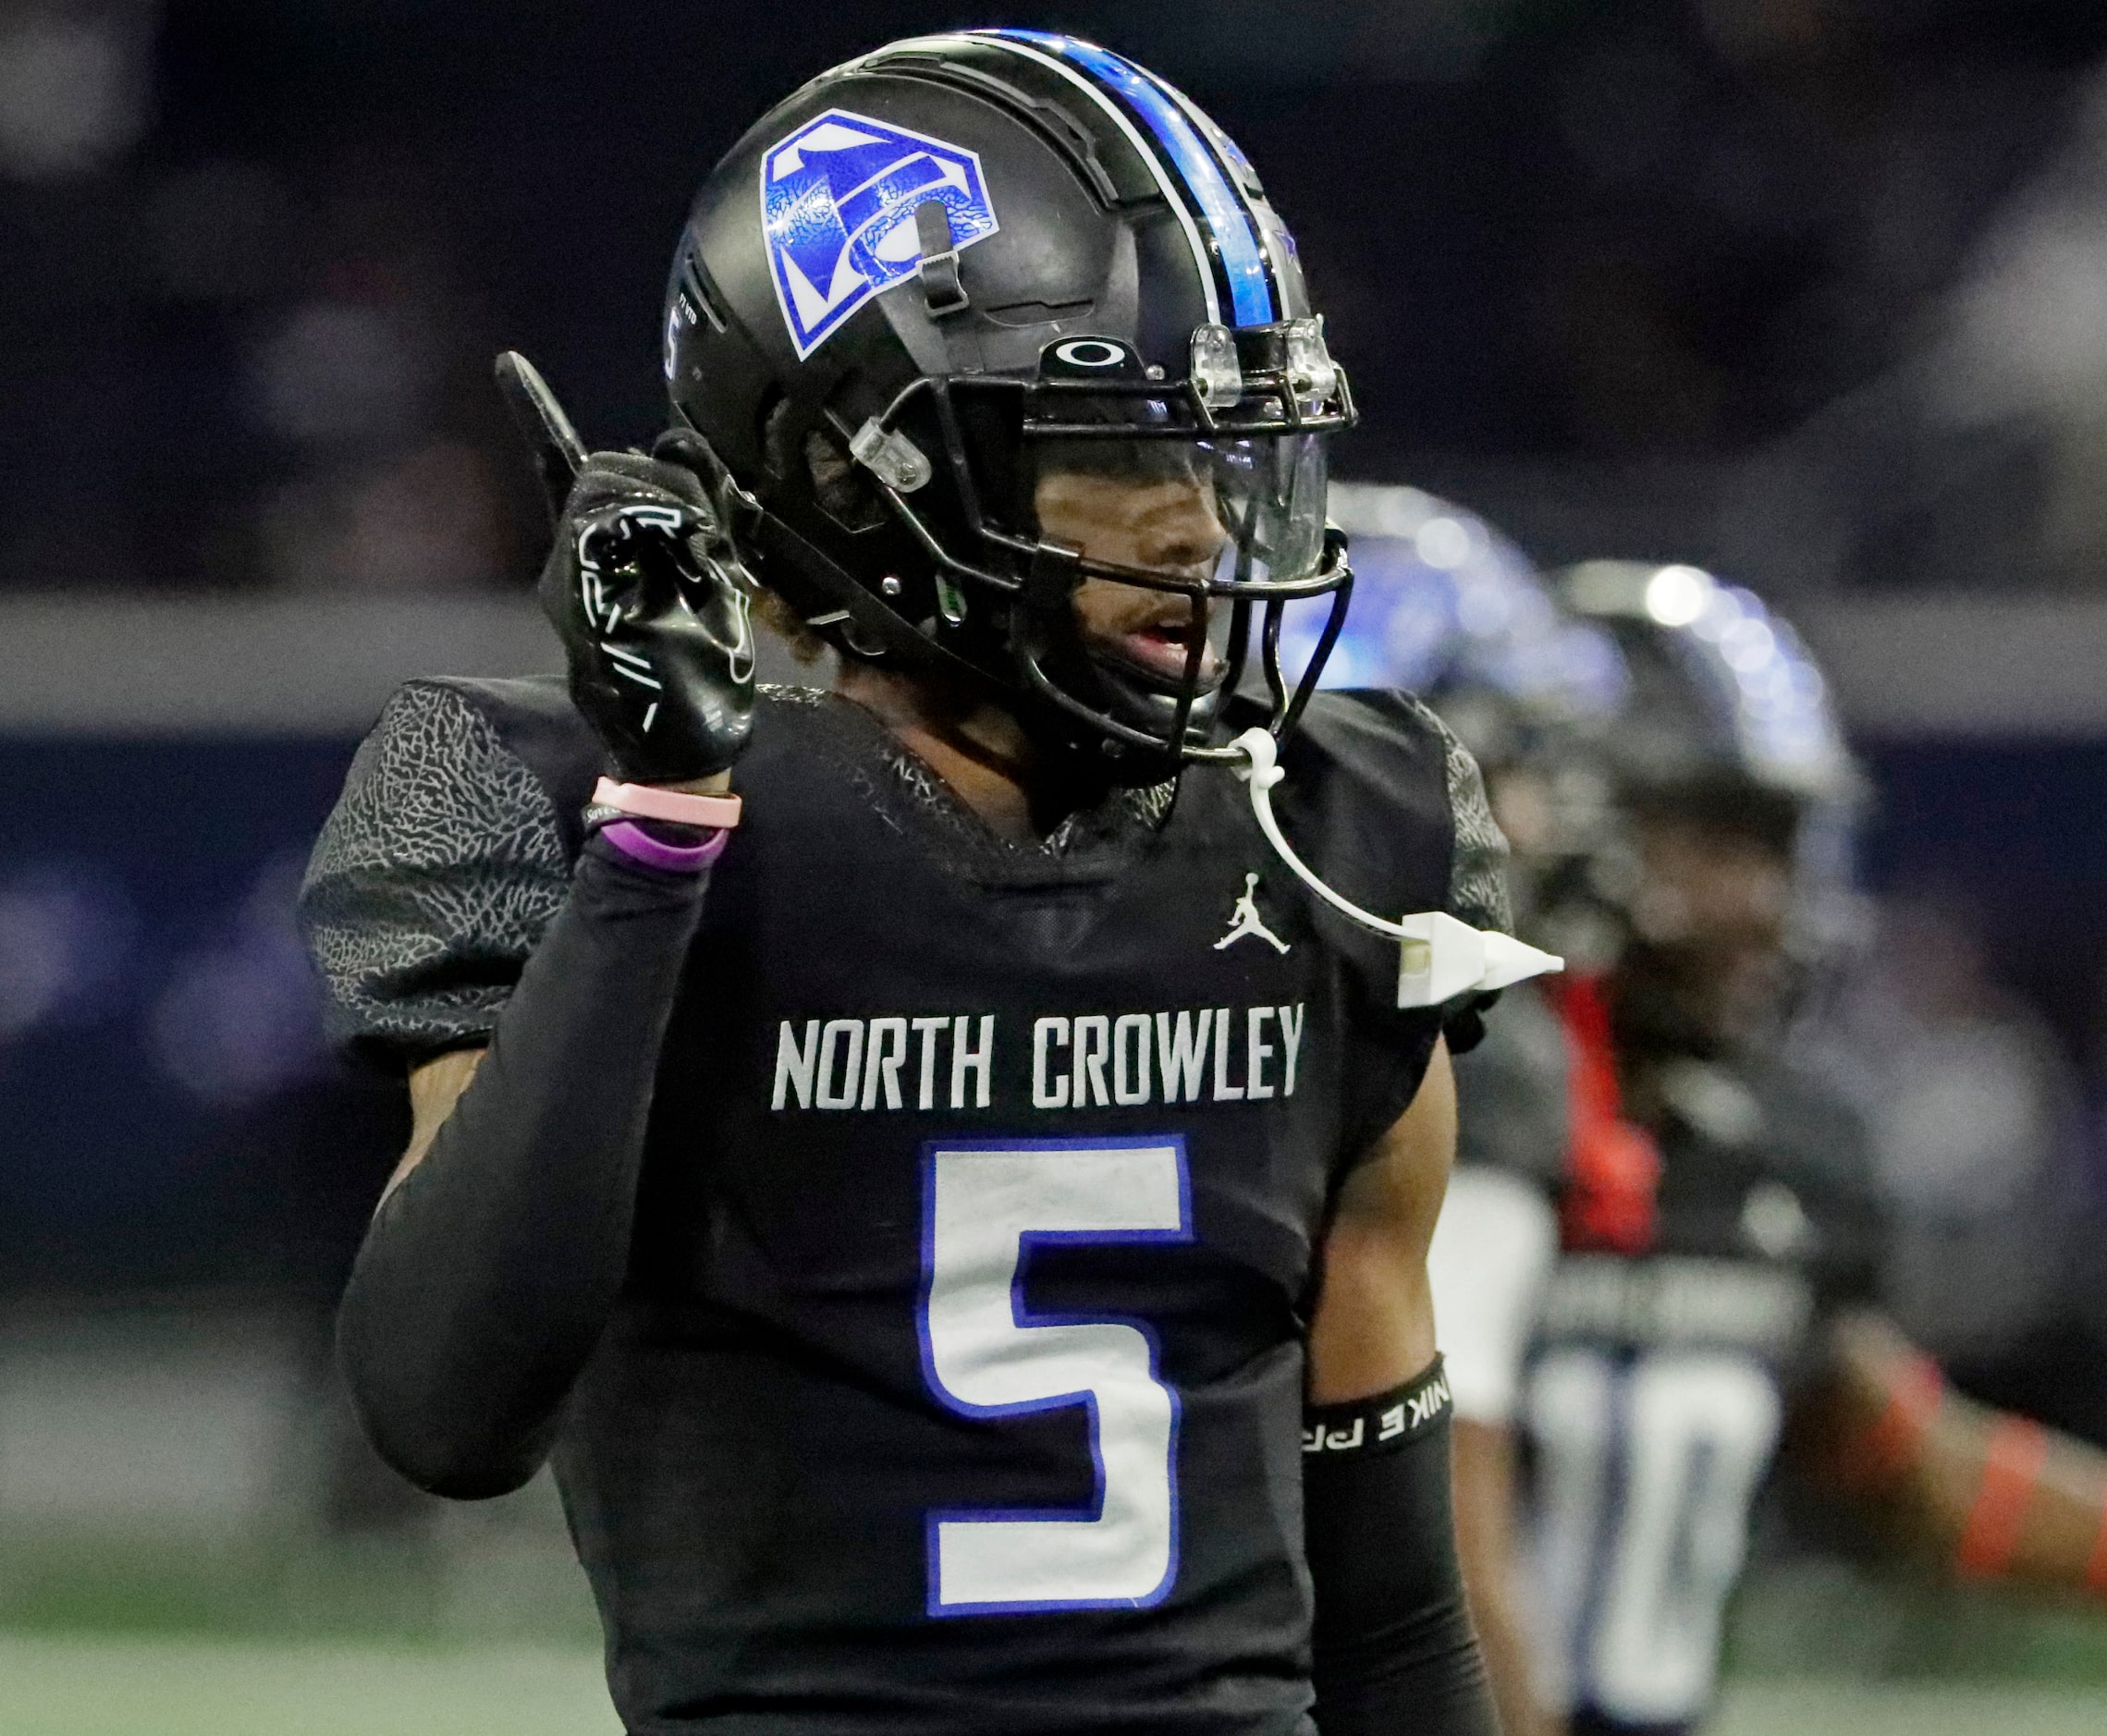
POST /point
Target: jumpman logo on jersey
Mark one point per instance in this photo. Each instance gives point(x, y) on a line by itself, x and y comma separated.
point(1245, 921)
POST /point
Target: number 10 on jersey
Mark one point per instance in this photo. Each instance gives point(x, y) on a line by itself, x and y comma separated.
point(985, 1206)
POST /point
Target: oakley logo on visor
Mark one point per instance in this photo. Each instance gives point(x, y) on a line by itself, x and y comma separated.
point(1090, 352)
point(838, 201)
point(1084, 357)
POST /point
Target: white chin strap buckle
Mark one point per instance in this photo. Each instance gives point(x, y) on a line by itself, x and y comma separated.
point(1439, 958)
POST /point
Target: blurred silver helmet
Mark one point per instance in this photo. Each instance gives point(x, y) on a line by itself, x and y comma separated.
point(1721, 689)
point(1447, 608)
point(1729, 718)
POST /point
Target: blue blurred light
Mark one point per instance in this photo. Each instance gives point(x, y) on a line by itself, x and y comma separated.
point(1442, 601)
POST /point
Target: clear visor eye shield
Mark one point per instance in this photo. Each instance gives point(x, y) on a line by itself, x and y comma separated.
point(1208, 488)
point(1238, 442)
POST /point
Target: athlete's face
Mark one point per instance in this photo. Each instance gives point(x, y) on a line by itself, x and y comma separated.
point(1167, 524)
point(1710, 920)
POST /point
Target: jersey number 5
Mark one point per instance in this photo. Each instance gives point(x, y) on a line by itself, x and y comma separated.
point(985, 1356)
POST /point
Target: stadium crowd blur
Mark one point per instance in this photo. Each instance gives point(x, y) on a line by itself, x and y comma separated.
point(1811, 292)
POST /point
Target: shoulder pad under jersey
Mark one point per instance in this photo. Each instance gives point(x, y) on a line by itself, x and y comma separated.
point(1396, 795)
point(1390, 809)
point(443, 861)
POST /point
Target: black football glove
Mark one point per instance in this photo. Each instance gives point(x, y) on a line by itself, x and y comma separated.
point(646, 589)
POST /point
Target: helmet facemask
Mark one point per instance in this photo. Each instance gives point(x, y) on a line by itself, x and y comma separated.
point(1124, 536)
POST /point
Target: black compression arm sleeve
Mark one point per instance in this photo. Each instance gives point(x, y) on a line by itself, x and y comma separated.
point(489, 1274)
point(1394, 1647)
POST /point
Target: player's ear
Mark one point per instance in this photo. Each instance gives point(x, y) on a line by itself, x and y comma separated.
point(559, 454)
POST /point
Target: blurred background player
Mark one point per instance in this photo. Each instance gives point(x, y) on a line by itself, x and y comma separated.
point(1714, 1208)
point(1662, 1230)
point(1449, 608)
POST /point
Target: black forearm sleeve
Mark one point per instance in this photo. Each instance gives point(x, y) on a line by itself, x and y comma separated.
point(488, 1276)
point(1395, 1653)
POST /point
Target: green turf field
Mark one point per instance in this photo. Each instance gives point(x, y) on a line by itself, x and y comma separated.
point(109, 1685)
point(479, 1622)
point(1867, 1709)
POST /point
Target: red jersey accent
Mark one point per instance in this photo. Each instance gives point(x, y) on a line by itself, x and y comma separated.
point(1612, 1166)
point(2017, 1454)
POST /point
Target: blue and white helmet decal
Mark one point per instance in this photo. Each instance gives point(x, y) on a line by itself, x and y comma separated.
point(838, 201)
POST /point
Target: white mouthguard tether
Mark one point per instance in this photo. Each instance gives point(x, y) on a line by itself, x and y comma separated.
point(1439, 958)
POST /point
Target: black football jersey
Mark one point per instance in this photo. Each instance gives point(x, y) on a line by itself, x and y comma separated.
point(1657, 1386)
point(958, 1378)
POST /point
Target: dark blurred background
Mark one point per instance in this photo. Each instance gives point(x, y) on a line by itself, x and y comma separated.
point(1818, 281)
point(1811, 292)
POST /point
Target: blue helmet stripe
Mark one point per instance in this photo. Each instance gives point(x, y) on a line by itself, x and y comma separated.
point(1234, 232)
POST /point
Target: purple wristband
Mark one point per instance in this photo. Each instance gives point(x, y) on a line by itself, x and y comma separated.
point(638, 844)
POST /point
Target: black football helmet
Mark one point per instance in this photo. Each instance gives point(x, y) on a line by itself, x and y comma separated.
point(947, 271)
point(1728, 710)
point(1730, 723)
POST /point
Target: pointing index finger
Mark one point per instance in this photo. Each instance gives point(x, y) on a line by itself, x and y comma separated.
point(558, 453)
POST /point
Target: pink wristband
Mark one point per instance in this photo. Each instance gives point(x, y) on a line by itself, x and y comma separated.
point(647, 801)
point(638, 844)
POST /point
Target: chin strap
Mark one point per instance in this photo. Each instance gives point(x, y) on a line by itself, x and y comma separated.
point(1439, 958)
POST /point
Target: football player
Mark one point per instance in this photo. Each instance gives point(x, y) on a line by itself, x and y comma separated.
point(949, 1204)
point(1716, 1233)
